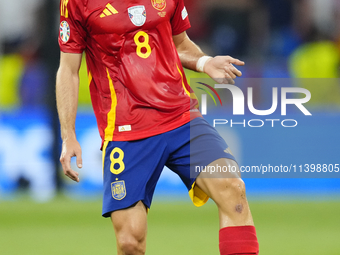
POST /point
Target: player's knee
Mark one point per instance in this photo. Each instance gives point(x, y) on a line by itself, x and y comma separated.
point(239, 187)
point(131, 245)
point(235, 187)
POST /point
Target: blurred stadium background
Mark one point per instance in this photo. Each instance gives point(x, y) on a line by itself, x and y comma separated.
point(41, 212)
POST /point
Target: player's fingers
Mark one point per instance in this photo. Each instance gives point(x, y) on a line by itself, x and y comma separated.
point(73, 175)
point(229, 79)
point(235, 70)
point(236, 61)
point(221, 80)
point(229, 72)
point(79, 160)
point(66, 164)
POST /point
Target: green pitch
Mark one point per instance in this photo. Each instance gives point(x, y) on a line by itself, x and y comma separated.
point(71, 227)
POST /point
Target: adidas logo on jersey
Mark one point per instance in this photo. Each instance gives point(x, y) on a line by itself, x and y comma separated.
point(124, 128)
point(109, 10)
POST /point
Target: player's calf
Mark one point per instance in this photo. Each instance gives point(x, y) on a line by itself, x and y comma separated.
point(237, 232)
point(229, 194)
point(232, 202)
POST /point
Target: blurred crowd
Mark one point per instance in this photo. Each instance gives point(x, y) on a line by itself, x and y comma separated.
point(277, 39)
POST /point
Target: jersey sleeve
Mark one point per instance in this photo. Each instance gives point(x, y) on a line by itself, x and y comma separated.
point(180, 20)
point(72, 34)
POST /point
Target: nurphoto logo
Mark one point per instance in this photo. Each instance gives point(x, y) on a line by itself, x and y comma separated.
point(240, 101)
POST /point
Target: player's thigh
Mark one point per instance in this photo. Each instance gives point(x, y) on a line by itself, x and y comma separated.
point(130, 224)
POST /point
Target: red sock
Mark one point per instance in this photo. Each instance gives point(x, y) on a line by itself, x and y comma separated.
point(238, 240)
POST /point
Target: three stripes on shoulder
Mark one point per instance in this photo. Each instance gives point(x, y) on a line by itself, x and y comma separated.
point(109, 10)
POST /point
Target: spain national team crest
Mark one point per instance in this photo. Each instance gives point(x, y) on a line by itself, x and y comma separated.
point(137, 15)
point(159, 4)
point(64, 31)
point(118, 190)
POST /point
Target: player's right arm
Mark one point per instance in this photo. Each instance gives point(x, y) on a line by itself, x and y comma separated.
point(67, 87)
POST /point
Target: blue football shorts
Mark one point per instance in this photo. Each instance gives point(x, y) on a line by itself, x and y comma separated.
point(132, 168)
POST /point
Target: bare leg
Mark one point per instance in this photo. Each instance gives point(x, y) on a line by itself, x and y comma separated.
point(227, 190)
point(130, 226)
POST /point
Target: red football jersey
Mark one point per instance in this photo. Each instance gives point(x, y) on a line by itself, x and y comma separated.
point(137, 83)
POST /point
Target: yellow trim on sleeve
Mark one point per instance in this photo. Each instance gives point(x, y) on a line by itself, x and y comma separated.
point(198, 196)
point(111, 116)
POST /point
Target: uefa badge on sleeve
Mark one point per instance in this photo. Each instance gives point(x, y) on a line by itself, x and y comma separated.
point(64, 31)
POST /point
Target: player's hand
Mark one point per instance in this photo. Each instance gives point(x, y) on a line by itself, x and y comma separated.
point(222, 70)
point(71, 148)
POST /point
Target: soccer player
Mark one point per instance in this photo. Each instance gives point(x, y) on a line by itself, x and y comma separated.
point(146, 113)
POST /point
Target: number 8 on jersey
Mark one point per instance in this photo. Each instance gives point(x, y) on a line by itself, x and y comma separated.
point(141, 45)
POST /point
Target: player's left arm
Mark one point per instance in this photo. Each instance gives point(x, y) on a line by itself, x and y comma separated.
point(220, 68)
